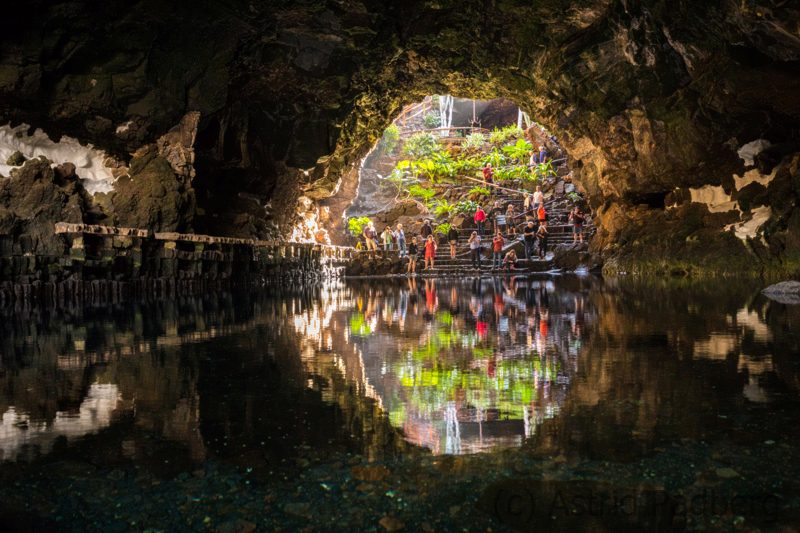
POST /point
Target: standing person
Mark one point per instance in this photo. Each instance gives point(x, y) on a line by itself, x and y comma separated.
point(488, 175)
point(542, 154)
point(430, 252)
point(541, 214)
point(497, 249)
point(400, 236)
point(529, 236)
point(497, 210)
point(426, 230)
point(475, 249)
point(577, 218)
point(480, 219)
point(388, 239)
point(526, 204)
point(510, 216)
point(413, 253)
point(538, 197)
point(369, 237)
point(542, 235)
point(510, 260)
point(452, 237)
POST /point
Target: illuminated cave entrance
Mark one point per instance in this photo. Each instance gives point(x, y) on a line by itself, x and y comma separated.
point(429, 165)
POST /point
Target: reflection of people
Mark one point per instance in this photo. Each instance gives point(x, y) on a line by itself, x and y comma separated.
point(431, 301)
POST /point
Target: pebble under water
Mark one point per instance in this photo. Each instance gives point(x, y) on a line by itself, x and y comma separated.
point(527, 403)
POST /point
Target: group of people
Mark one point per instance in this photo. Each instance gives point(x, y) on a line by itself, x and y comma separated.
point(501, 219)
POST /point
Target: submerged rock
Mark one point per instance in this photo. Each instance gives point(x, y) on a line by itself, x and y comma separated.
point(785, 292)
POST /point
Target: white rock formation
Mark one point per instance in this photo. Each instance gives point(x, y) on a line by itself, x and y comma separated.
point(749, 151)
point(88, 160)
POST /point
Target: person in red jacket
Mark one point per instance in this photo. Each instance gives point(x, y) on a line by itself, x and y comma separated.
point(488, 174)
point(480, 218)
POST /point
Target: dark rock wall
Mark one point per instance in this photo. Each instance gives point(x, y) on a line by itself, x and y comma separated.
point(645, 96)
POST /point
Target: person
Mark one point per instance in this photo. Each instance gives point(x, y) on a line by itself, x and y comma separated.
point(426, 230)
point(475, 249)
point(488, 175)
point(538, 197)
point(388, 238)
point(479, 218)
point(510, 216)
point(577, 218)
point(497, 209)
point(369, 237)
point(497, 249)
point(400, 237)
point(541, 214)
point(526, 204)
point(542, 234)
point(430, 252)
point(529, 237)
point(413, 253)
point(510, 260)
point(452, 237)
point(542, 154)
point(534, 159)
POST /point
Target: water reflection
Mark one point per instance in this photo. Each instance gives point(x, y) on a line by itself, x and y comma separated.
point(564, 366)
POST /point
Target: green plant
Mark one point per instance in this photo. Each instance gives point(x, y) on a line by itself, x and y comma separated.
point(467, 165)
point(442, 229)
point(432, 120)
point(419, 191)
point(473, 141)
point(543, 170)
point(518, 151)
point(466, 207)
point(443, 208)
point(494, 158)
point(355, 225)
point(500, 136)
point(390, 139)
point(573, 197)
point(421, 145)
point(515, 172)
point(480, 191)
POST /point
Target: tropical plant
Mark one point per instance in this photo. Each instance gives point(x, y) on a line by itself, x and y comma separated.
point(443, 208)
point(473, 142)
point(432, 120)
point(467, 165)
point(514, 172)
point(419, 191)
point(494, 158)
point(573, 197)
point(518, 151)
point(543, 170)
point(355, 225)
point(479, 191)
point(390, 139)
point(466, 207)
point(421, 145)
point(442, 229)
point(500, 136)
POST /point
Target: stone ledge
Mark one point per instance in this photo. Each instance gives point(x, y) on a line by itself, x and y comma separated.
point(93, 229)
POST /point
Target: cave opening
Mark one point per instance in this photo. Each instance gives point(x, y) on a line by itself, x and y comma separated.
point(443, 157)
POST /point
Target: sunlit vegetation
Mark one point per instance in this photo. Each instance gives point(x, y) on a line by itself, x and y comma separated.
point(356, 225)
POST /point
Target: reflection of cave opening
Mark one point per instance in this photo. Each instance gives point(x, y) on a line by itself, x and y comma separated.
point(429, 164)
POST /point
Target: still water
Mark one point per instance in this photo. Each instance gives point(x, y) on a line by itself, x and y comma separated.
point(414, 404)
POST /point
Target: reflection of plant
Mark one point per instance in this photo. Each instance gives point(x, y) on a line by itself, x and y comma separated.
point(420, 145)
point(518, 151)
point(359, 326)
point(432, 120)
point(502, 135)
point(473, 141)
point(355, 225)
point(442, 229)
point(391, 136)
